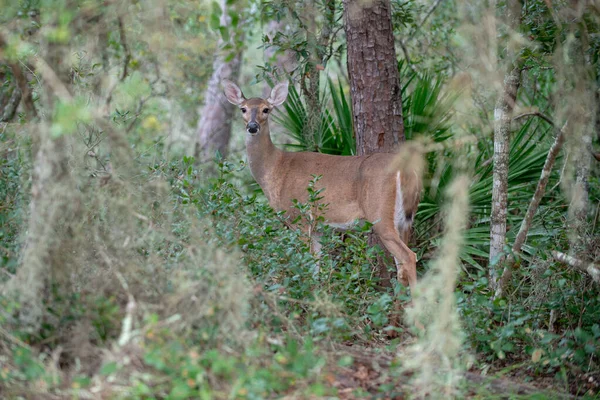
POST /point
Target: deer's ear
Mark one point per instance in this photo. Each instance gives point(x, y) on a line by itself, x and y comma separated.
point(278, 94)
point(232, 92)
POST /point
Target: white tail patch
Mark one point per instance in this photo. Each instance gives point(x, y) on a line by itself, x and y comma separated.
point(400, 221)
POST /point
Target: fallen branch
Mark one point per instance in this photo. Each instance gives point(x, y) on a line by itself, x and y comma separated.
point(589, 267)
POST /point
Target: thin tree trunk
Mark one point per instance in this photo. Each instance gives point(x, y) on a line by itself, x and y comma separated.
point(374, 77)
point(575, 88)
point(53, 205)
point(503, 117)
point(26, 92)
point(21, 92)
point(531, 210)
point(213, 131)
point(8, 107)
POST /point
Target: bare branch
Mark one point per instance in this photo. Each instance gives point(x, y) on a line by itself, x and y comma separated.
point(592, 269)
point(536, 114)
point(53, 81)
point(405, 51)
point(431, 10)
point(11, 106)
point(125, 49)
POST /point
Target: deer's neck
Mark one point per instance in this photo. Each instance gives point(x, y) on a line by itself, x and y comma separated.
point(262, 156)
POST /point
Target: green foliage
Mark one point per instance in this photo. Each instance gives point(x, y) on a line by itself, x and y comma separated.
point(334, 301)
point(185, 286)
point(508, 329)
point(334, 134)
point(68, 115)
point(426, 108)
point(13, 188)
point(187, 371)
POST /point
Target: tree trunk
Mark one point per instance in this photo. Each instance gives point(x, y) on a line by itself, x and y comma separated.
point(374, 85)
point(580, 109)
point(10, 98)
point(214, 125)
point(53, 207)
point(531, 210)
point(502, 119)
point(374, 78)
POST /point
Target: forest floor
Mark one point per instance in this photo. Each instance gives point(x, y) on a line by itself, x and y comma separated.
point(372, 374)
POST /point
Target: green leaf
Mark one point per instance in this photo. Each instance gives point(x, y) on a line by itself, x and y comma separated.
point(108, 369)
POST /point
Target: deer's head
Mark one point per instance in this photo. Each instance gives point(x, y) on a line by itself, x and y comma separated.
point(255, 111)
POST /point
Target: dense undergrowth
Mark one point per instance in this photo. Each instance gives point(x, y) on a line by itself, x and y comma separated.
point(162, 277)
point(251, 318)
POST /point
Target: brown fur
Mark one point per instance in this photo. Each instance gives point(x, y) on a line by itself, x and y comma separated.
point(356, 187)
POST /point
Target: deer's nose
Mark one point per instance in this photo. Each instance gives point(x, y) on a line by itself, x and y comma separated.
point(252, 127)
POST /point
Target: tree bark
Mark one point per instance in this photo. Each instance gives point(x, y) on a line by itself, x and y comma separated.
point(374, 86)
point(213, 131)
point(21, 92)
point(54, 203)
point(591, 269)
point(531, 210)
point(9, 102)
point(374, 78)
point(502, 119)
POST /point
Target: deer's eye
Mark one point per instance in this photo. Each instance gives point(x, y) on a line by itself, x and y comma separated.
point(266, 110)
point(243, 110)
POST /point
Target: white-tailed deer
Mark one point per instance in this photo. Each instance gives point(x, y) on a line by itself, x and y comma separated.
point(356, 187)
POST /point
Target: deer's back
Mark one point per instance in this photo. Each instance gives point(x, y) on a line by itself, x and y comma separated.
point(356, 187)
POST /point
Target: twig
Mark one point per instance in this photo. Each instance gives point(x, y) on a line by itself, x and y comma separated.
point(536, 114)
point(405, 51)
point(125, 49)
point(592, 269)
point(431, 10)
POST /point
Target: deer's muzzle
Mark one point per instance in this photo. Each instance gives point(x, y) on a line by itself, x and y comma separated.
point(252, 127)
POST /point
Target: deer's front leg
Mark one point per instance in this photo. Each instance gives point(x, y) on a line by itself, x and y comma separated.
point(406, 259)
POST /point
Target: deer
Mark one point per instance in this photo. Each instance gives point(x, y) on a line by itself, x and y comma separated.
point(368, 188)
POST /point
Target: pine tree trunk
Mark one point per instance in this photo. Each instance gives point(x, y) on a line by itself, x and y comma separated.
point(374, 86)
point(374, 78)
point(213, 131)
